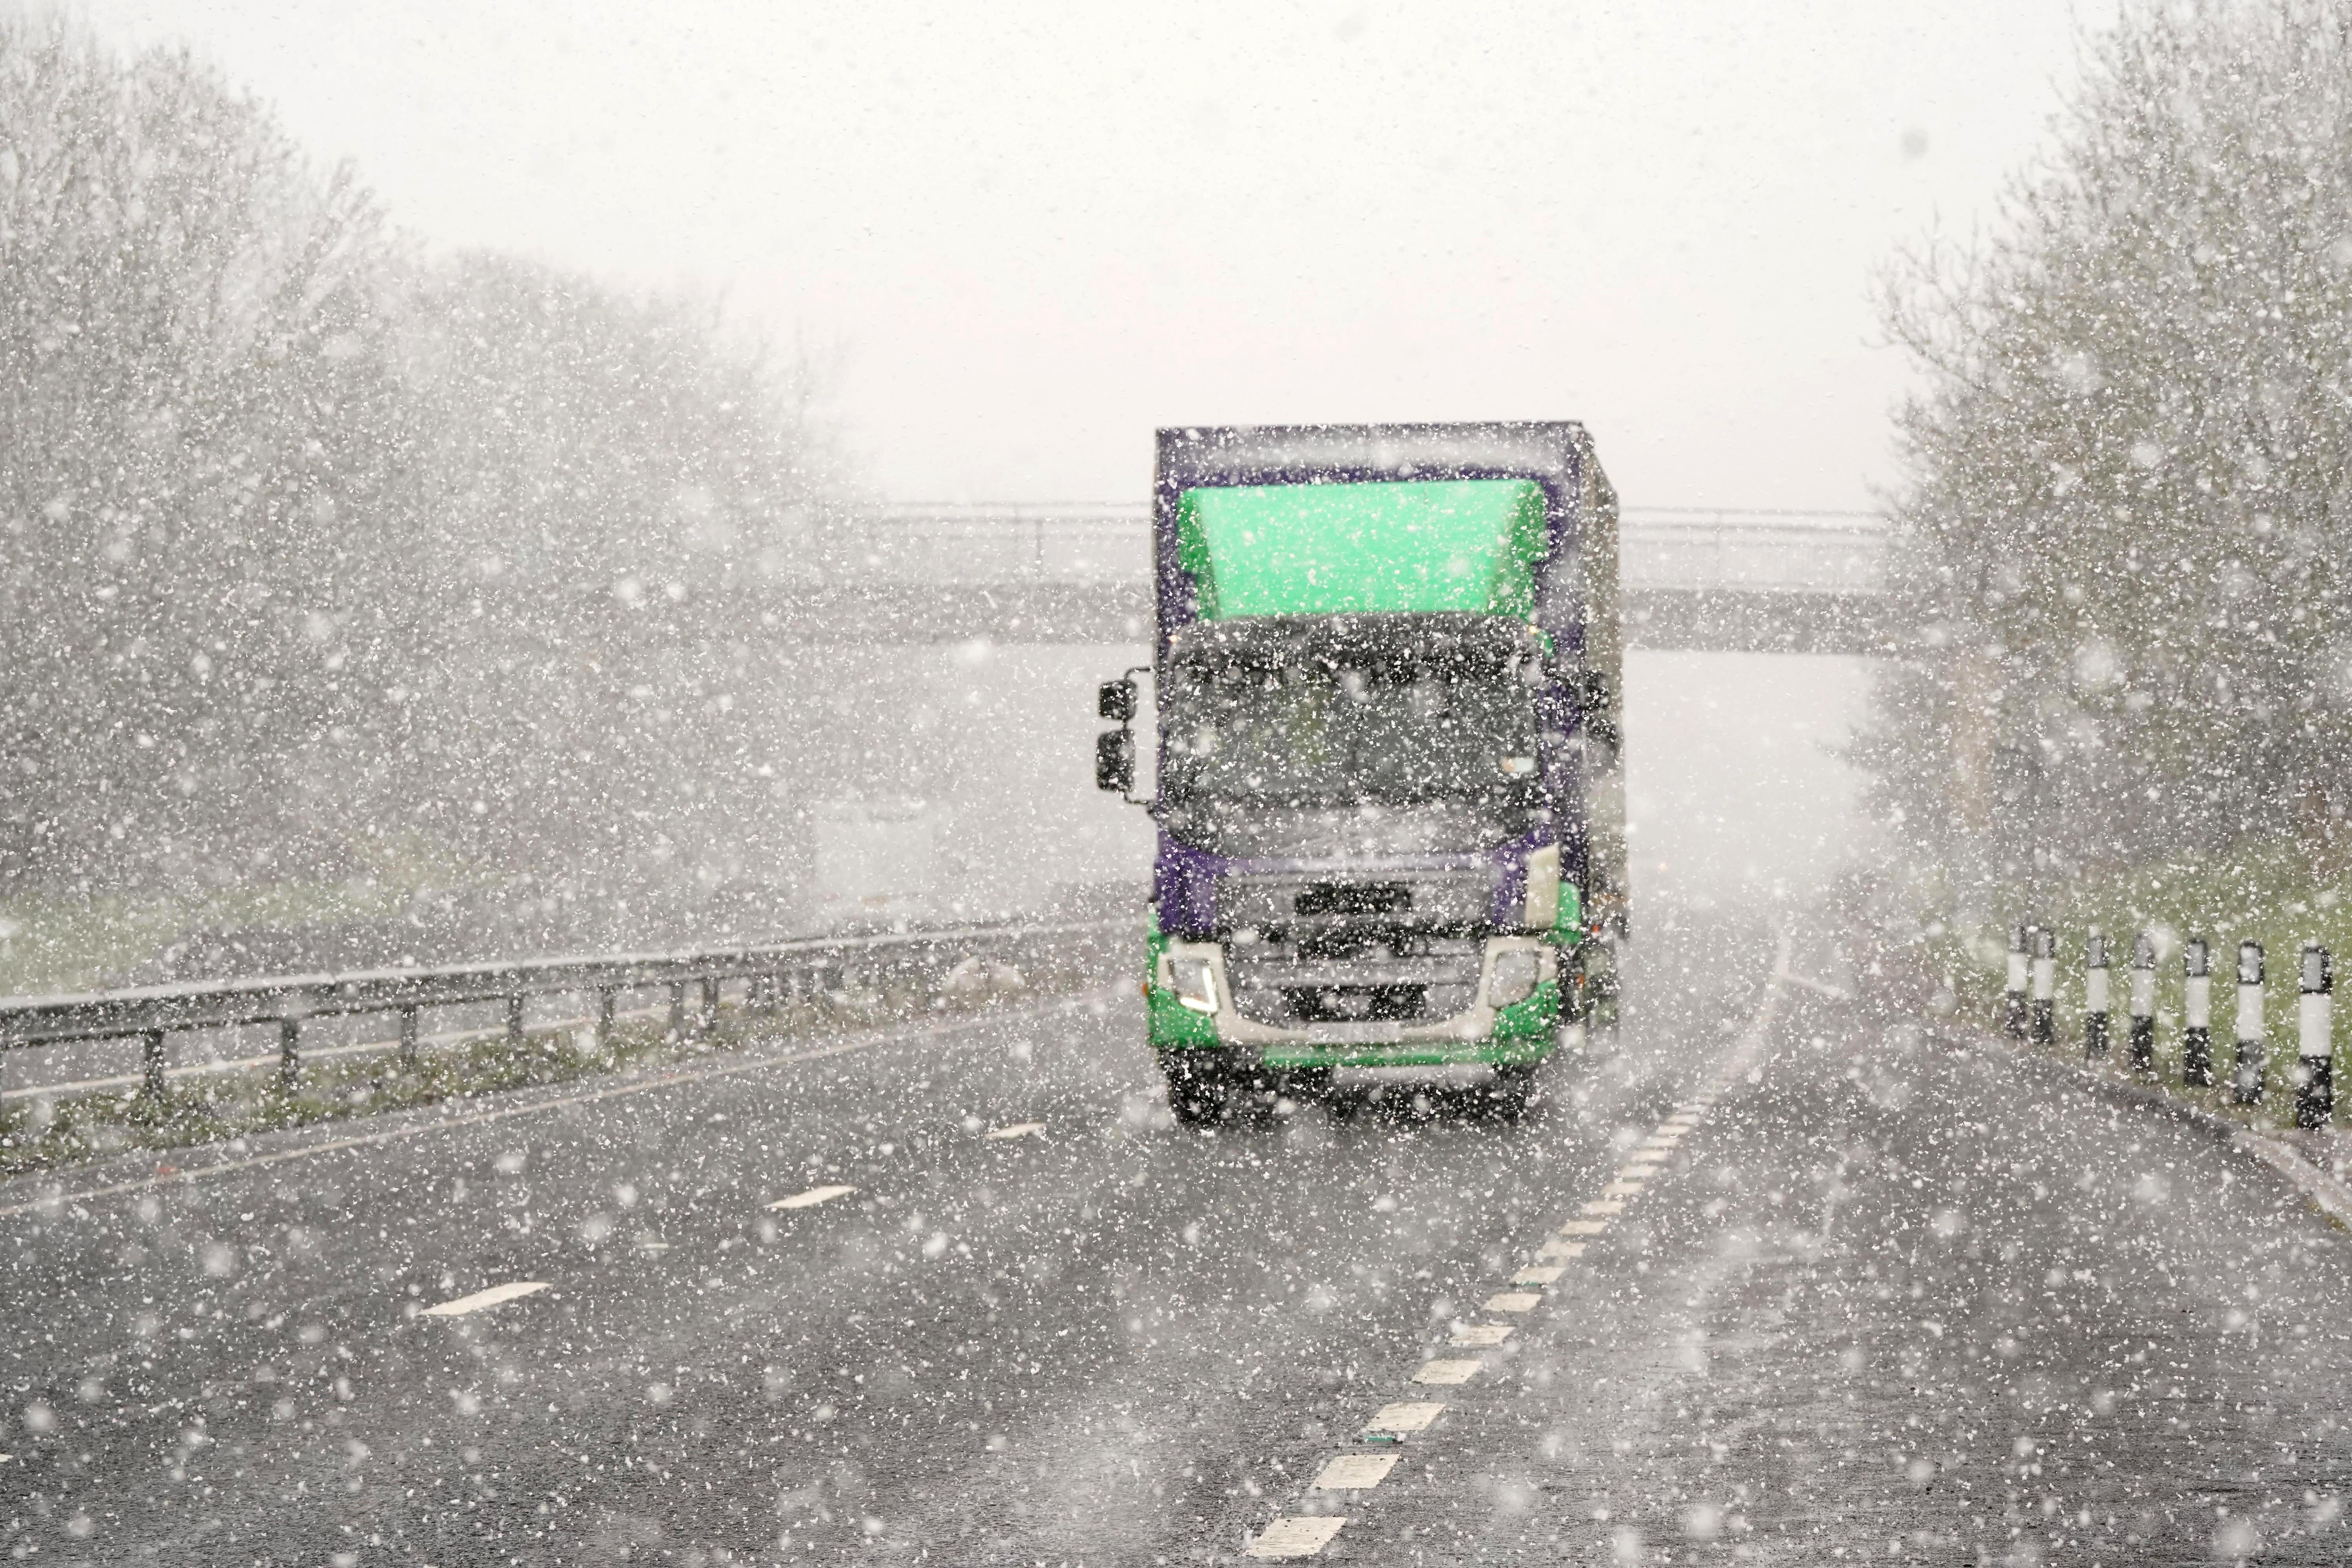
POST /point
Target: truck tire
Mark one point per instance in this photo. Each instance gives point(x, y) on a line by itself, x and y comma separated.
point(1199, 1091)
point(1516, 1090)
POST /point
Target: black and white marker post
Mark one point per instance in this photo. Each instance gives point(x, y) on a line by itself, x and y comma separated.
point(2247, 1086)
point(2013, 997)
point(2196, 1013)
point(2315, 1087)
point(2143, 1005)
point(2045, 986)
point(2095, 996)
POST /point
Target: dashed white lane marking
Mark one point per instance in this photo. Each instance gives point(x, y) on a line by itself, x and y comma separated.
point(1018, 1130)
point(1622, 1187)
point(489, 1298)
point(1301, 1536)
point(810, 1198)
point(1294, 1535)
point(1355, 1472)
point(1821, 987)
point(1406, 1416)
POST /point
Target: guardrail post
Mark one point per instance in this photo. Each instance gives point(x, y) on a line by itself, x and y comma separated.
point(677, 1009)
point(409, 1036)
point(709, 1018)
point(2012, 1012)
point(2045, 986)
point(2197, 1013)
point(514, 1019)
point(605, 999)
point(2095, 997)
point(2247, 1085)
point(2143, 1005)
point(151, 1054)
point(2315, 1085)
point(289, 1054)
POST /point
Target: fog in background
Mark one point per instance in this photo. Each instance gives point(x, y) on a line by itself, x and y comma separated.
point(650, 306)
point(1022, 234)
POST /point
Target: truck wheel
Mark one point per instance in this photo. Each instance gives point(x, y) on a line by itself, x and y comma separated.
point(1513, 1092)
point(1197, 1092)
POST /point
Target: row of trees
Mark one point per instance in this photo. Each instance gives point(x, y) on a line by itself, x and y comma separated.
point(306, 538)
point(2126, 523)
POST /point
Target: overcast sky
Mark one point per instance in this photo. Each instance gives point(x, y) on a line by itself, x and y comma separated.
point(1034, 232)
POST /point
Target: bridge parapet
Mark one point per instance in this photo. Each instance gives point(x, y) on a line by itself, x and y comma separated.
point(1081, 571)
point(1685, 549)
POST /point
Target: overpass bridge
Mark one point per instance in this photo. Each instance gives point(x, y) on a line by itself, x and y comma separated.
point(1715, 579)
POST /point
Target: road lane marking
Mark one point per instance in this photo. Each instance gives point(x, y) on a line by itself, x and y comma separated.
point(1622, 1187)
point(1405, 1415)
point(1018, 1130)
point(60, 1198)
point(1355, 1472)
point(513, 1291)
point(810, 1198)
point(1277, 1537)
point(1821, 987)
point(1294, 1535)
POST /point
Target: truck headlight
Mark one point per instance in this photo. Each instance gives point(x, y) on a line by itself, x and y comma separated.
point(1514, 977)
point(1196, 983)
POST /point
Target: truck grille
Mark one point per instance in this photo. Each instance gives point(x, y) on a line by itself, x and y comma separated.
point(1405, 982)
point(1300, 904)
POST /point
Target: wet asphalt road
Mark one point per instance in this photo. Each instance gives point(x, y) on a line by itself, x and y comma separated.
point(1895, 1299)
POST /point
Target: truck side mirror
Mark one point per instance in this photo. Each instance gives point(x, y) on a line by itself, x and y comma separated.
point(1115, 758)
point(1114, 700)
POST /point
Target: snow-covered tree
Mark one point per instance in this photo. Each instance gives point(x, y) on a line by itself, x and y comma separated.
point(2129, 502)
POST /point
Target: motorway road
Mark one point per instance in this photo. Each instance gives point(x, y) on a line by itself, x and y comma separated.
point(1859, 1294)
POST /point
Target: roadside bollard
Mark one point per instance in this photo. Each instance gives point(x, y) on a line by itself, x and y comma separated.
point(2095, 997)
point(151, 1060)
point(2197, 1013)
point(2143, 1005)
point(2045, 986)
point(2012, 1012)
point(2314, 1088)
point(2246, 1089)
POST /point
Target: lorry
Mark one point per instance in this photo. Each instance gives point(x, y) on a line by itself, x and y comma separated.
point(1386, 676)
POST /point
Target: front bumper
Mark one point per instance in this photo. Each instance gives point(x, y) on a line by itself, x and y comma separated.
point(1516, 1034)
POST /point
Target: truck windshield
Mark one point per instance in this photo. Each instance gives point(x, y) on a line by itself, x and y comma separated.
point(1364, 711)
